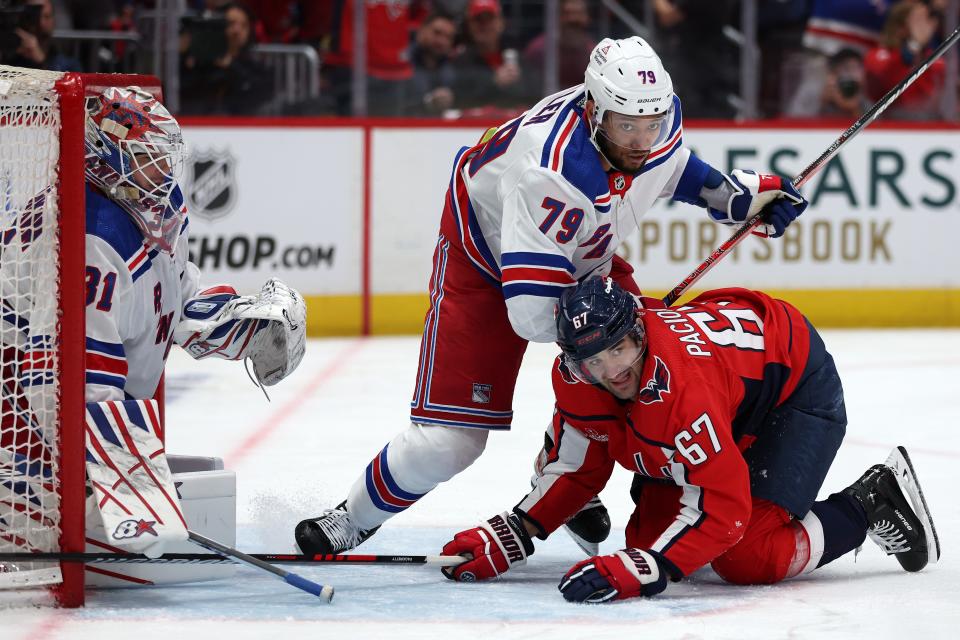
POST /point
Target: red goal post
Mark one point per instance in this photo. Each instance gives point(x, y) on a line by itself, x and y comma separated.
point(42, 329)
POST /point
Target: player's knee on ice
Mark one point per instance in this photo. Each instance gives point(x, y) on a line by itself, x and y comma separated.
point(766, 552)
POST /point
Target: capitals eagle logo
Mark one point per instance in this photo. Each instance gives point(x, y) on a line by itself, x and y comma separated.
point(656, 386)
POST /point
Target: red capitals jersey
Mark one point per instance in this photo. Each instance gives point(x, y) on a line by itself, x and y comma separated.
point(712, 370)
point(389, 23)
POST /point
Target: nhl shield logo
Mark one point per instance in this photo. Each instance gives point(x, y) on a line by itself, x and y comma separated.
point(213, 188)
point(619, 183)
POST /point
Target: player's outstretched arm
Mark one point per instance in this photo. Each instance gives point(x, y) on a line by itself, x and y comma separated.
point(269, 328)
point(493, 547)
point(737, 198)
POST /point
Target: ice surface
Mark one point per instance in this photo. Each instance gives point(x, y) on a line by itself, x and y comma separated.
point(300, 453)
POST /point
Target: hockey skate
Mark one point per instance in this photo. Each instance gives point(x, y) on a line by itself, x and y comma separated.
point(330, 533)
point(590, 526)
point(897, 513)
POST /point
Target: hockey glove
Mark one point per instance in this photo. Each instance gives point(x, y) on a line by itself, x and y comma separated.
point(628, 573)
point(492, 548)
point(269, 328)
point(748, 193)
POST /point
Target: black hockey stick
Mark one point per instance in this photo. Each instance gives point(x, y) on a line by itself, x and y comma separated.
point(872, 114)
point(322, 591)
point(210, 558)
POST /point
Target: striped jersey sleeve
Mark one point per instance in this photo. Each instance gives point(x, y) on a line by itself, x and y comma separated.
point(572, 469)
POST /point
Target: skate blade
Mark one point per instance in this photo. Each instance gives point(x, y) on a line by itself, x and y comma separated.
point(589, 548)
point(899, 461)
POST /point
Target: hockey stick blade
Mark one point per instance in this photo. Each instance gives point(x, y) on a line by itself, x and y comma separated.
point(212, 558)
point(324, 592)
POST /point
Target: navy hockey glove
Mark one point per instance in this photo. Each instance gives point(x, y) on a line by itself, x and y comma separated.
point(752, 193)
point(493, 547)
point(628, 573)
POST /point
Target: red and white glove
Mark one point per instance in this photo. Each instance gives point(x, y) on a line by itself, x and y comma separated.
point(493, 547)
point(628, 573)
point(752, 193)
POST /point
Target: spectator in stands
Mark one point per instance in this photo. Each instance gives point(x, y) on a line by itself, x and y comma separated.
point(121, 22)
point(85, 14)
point(843, 93)
point(228, 81)
point(707, 71)
point(907, 38)
point(389, 26)
point(576, 42)
point(36, 49)
point(780, 27)
point(833, 25)
point(433, 76)
point(488, 74)
point(293, 21)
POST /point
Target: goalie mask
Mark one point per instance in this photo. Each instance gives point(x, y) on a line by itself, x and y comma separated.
point(598, 331)
point(633, 101)
point(134, 153)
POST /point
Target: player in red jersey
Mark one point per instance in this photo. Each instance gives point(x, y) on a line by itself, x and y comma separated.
point(729, 410)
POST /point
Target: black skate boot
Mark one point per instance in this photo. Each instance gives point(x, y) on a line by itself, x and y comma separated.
point(590, 526)
point(897, 512)
point(330, 533)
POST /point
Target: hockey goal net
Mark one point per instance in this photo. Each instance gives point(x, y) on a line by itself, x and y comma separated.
point(42, 338)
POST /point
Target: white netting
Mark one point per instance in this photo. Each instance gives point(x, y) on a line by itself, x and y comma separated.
point(29, 293)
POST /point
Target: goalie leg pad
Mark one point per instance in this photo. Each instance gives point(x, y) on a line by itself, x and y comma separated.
point(208, 500)
point(127, 470)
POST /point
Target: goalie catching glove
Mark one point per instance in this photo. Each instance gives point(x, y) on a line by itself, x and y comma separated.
point(493, 547)
point(744, 194)
point(269, 328)
point(628, 573)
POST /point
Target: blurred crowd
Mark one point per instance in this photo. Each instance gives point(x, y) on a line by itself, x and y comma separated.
point(488, 58)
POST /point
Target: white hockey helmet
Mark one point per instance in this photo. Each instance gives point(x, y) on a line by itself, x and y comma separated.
point(627, 77)
point(134, 152)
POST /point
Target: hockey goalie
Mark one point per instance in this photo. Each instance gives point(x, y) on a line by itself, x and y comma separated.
point(143, 295)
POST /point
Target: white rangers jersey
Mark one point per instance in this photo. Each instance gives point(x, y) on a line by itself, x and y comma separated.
point(537, 212)
point(135, 296)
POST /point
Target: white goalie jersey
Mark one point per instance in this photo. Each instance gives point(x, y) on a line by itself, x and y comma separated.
point(135, 297)
point(537, 211)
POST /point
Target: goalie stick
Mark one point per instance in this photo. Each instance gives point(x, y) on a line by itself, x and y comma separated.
point(211, 558)
point(872, 114)
point(324, 592)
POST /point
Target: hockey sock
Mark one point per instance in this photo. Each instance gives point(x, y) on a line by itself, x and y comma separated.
point(410, 466)
point(844, 525)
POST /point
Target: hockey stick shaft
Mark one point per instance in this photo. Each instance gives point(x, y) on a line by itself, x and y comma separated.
point(324, 592)
point(211, 558)
point(872, 114)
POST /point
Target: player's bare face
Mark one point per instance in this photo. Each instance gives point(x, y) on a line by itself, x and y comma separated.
point(626, 140)
point(617, 369)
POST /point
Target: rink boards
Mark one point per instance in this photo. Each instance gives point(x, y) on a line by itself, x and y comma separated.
point(349, 216)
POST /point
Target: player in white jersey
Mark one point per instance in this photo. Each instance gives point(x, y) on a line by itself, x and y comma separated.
point(142, 295)
point(142, 292)
point(537, 205)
